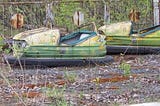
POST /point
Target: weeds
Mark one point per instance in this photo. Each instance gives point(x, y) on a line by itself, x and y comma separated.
point(126, 68)
point(57, 95)
point(55, 92)
point(62, 103)
point(71, 77)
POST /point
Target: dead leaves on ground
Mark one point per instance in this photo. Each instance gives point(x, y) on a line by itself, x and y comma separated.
point(32, 86)
point(34, 94)
point(117, 78)
point(114, 79)
point(31, 94)
point(46, 84)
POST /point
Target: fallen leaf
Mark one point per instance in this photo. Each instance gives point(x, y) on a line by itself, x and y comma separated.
point(30, 85)
point(61, 82)
point(113, 79)
point(31, 94)
point(47, 84)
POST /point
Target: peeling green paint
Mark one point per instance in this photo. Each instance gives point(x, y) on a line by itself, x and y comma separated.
point(85, 44)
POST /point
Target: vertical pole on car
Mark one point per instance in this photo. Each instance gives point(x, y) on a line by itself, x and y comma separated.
point(156, 12)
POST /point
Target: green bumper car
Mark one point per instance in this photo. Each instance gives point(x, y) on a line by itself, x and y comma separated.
point(46, 47)
point(120, 38)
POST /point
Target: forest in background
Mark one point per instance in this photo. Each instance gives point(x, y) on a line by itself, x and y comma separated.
point(35, 13)
point(135, 80)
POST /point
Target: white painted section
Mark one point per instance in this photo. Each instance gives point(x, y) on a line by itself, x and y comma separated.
point(156, 12)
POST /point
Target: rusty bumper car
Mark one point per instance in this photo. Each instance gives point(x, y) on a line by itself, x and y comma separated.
point(121, 38)
point(46, 47)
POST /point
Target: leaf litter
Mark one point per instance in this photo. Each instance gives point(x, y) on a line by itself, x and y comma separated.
point(89, 86)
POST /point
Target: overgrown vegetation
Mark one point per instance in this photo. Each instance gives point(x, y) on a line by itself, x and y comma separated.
point(108, 80)
point(35, 14)
point(71, 77)
point(126, 68)
point(57, 96)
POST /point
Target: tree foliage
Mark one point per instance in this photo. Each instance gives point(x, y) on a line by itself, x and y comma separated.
point(34, 14)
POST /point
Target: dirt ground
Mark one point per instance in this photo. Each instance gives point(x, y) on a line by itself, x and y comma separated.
point(111, 84)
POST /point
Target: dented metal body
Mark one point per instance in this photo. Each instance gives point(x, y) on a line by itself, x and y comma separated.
point(44, 43)
point(120, 38)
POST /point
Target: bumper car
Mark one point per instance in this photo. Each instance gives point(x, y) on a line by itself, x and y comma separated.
point(46, 47)
point(121, 38)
